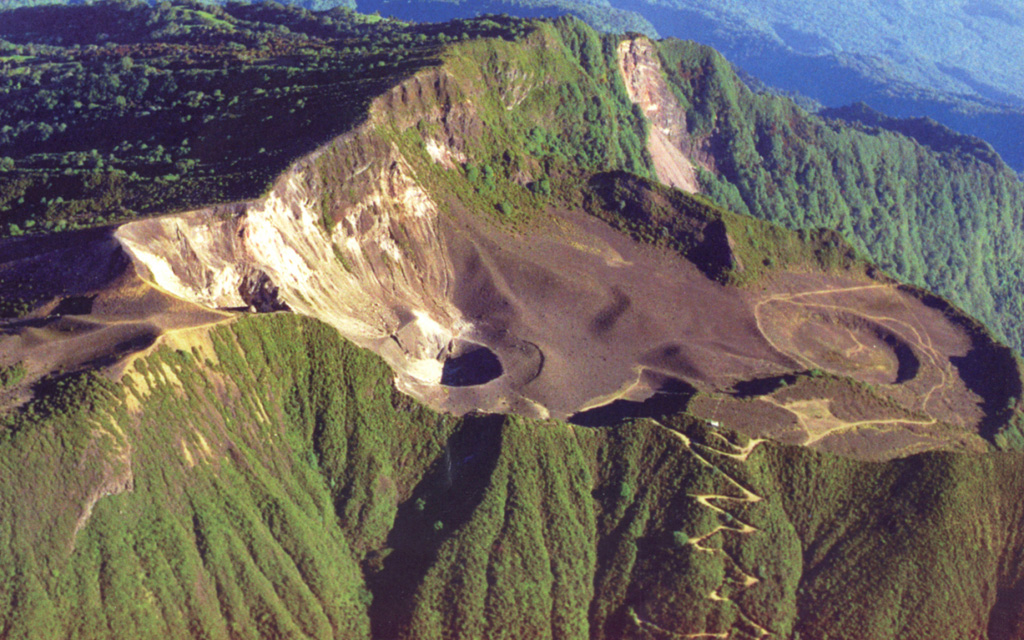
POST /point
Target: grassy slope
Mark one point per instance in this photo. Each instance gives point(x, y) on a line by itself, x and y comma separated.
point(315, 501)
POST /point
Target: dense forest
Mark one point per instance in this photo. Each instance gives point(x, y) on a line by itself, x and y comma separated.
point(300, 495)
point(116, 109)
point(963, 49)
point(933, 207)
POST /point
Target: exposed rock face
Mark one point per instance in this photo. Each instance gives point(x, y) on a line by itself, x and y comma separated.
point(564, 319)
point(433, 97)
point(379, 276)
point(347, 235)
point(669, 143)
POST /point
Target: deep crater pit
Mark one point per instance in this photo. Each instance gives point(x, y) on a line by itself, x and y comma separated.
point(470, 364)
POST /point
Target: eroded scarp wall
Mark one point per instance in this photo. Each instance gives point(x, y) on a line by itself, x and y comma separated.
point(379, 276)
point(669, 142)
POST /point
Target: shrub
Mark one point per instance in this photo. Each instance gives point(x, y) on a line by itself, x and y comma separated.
point(12, 375)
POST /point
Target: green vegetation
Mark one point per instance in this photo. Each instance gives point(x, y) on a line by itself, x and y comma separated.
point(945, 217)
point(950, 499)
point(12, 374)
point(922, 48)
point(728, 247)
point(547, 112)
point(271, 481)
point(117, 109)
point(250, 517)
point(1010, 437)
point(955, 63)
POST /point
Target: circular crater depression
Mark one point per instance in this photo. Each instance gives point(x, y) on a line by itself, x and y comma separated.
point(470, 364)
point(840, 342)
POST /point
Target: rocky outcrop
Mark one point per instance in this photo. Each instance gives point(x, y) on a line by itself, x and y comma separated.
point(376, 271)
point(669, 143)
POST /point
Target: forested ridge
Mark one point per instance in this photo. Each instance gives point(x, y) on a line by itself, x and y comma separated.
point(300, 495)
point(939, 211)
point(153, 109)
point(956, 64)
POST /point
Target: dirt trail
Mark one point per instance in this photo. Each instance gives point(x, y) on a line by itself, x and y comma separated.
point(640, 622)
point(129, 319)
point(915, 336)
point(736, 526)
point(818, 422)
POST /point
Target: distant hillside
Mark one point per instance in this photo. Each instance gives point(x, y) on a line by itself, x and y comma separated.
point(925, 131)
point(959, 64)
point(600, 14)
point(968, 49)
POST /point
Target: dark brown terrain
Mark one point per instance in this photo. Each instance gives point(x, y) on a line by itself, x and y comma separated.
point(574, 317)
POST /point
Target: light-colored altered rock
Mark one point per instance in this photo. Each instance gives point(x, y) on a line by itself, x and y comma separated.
point(669, 143)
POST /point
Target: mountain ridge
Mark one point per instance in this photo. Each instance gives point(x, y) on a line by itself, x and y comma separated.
point(227, 467)
point(266, 480)
point(383, 265)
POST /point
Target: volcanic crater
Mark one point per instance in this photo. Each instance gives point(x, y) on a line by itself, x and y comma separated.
point(578, 310)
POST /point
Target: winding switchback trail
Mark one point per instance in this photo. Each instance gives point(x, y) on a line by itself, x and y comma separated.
point(731, 524)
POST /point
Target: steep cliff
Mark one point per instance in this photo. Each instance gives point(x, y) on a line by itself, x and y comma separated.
point(669, 142)
point(379, 275)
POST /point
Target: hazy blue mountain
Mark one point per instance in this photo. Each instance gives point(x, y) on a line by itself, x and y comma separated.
point(600, 14)
point(956, 62)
